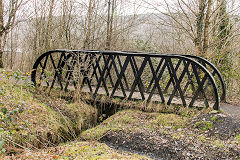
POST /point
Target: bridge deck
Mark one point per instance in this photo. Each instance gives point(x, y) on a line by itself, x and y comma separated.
point(137, 96)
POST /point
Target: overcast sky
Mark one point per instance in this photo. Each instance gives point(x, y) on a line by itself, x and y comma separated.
point(128, 7)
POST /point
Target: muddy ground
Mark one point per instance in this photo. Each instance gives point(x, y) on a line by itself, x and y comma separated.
point(206, 136)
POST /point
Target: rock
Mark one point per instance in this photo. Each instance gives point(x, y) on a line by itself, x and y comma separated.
point(214, 112)
point(179, 129)
point(222, 115)
point(168, 127)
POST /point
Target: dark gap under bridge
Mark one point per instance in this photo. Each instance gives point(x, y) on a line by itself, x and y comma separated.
point(167, 78)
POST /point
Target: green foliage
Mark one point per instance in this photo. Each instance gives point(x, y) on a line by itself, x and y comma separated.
point(8, 121)
point(214, 118)
point(218, 143)
point(204, 125)
point(12, 105)
point(237, 139)
point(145, 46)
point(224, 26)
point(202, 138)
point(224, 57)
point(81, 150)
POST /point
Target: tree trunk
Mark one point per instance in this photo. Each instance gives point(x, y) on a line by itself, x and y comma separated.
point(199, 23)
point(108, 26)
point(87, 38)
point(1, 35)
point(6, 24)
point(206, 29)
point(224, 27)
point(50, 27)
point(111, 9)
point(1, 59)
point(11, 50)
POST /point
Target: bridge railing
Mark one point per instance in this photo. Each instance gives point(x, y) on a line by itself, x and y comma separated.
point(177, 79)
point(211, 68)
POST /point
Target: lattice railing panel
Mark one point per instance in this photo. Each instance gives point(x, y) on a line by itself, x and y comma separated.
point(151, 77)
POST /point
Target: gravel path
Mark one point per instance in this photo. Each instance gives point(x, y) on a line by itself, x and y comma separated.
point(231, 110)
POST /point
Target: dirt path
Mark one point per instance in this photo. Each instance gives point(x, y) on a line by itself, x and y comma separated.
point(231, 110)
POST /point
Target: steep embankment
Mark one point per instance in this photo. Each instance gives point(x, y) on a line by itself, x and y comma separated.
point(34, 124)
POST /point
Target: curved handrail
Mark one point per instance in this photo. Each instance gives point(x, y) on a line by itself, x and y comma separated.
point(223, 96)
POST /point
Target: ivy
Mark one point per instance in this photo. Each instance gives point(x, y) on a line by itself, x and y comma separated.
point(11, 106)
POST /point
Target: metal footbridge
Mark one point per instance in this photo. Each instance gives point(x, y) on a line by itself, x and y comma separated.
point(167, 78)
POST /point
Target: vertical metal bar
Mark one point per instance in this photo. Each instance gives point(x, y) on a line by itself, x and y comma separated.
point(190, 82)
point(101, 72)
point(70, 71)
point(186, 66)
point(140, 83)
point(156, 83)
point(108, 71)
point(56, 71)
point(95, 68)
point(85, 74)
point(135, 72)
point(43, 70)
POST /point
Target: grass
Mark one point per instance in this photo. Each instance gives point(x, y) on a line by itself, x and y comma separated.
point(204, 125)
point(171, 120)
point(178, 127)
point(131, 120)
point(95, 150)
point(214, 118)
point(45, 121)
point(121, 120)
point(80, 150)
point(218, 143)
point(237, 139)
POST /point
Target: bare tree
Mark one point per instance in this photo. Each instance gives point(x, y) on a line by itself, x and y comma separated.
point(49, 29)
point(8, 14)
point(110, 13)
point(192, 18)
point(199, 20)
